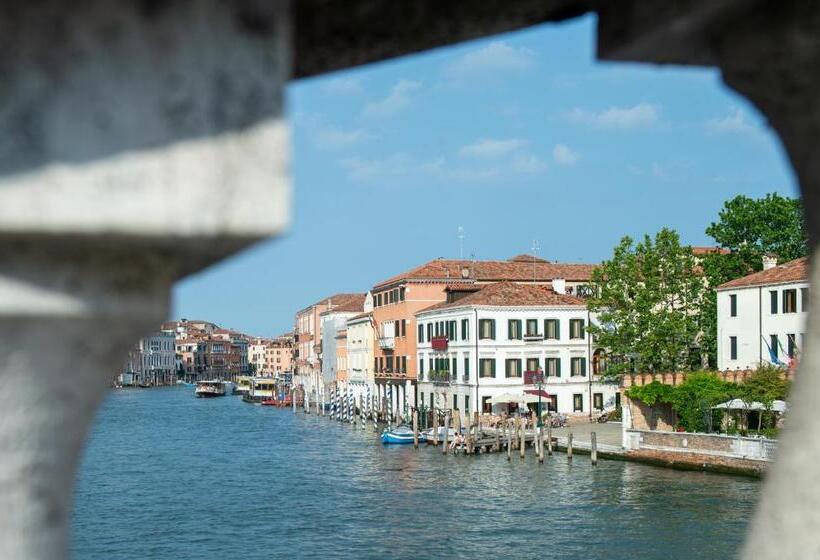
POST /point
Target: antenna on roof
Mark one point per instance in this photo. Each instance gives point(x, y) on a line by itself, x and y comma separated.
point(535, 248)
point(460, 243)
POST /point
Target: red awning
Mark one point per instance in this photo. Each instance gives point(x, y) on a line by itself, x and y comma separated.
point(537, 392)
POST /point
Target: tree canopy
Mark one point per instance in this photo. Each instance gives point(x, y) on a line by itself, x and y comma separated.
point(647, 301)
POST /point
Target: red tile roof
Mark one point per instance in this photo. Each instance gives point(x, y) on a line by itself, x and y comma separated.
point(336, 300)
point(792, 271)
point(451, 271)
point(508, 294)
point(698, 251)
point(527, 258)
point(344, 303)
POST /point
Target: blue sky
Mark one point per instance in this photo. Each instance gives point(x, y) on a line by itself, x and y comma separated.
point(517, 138)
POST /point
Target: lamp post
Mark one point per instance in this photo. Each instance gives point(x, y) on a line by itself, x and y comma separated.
point(539, 380)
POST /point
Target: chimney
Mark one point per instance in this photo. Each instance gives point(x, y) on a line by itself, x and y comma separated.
point(465, 272)
point(769, 261)
point(559, 285)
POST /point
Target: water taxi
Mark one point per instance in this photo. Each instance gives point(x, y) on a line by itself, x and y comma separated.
point(401, 435)
point(243, 385)
point(261, 389)
point(210, 388)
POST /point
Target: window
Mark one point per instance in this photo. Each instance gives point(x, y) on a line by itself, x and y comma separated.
point(421, 333)
point(455, 402)
point(598, 401)
point(532, 327)
point(421, 368)
point(432, 405)
point(465, 329)
point(466, 368)
point(467, 403)
point(552, 403)
point(773, 302)
point(429, 331)
point(804, 299)
point(514, 329)
point(375, 364)
point(773, 346)
point(733, 305)
point(486, 329)
point(578, 367)
point(791, 345)
point(486, 367)
point(421, 397)
point(401, 294)
point(403, 327)
point(733, 348)
point(578, 402)
point(389, 365)
point(432, 364)
point(576, 328)
point(454, 370)
point(552, 329)
point(404, 364)
point(533, 364)
point(378, 300)
point(790, 301)
point(552, 367)
point(451, 330)
point(513, 367)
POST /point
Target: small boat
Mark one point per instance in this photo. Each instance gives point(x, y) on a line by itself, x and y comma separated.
point(429, 436)
point(269, 402)
point(210, 388)
point(400, 434)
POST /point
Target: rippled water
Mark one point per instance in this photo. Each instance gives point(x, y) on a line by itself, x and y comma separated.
point(167, 475)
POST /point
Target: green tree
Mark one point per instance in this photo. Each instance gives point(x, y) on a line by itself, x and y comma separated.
point(765, 386)
point(647, 300)
point(749, 228)
point(694, 398)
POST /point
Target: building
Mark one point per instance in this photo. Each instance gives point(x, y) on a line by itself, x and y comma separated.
point(397, 300)
point(190, 355)
point(334, 324)
point(279, 354)
point(485, 340)
point(189, 328)
point(307, 355)
point(360, 344)
point(151, 362)
point(761, 318)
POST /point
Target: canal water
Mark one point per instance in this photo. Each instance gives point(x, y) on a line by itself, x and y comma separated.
point(166, 475)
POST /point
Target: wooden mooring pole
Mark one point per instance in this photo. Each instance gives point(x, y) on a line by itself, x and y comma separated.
point(507, 430)
point(569, 446)
point(541, 444)
point(522, 444)
point(435, 427)
point(593, 452)
point(549, 440)
point(446, 433)
point(415, 428)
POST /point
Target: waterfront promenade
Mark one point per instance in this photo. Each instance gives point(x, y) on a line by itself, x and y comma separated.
point(166, 475)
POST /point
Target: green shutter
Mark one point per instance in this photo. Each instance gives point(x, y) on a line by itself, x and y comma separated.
point(557, 329)
point(583, 366)
point(492, 329)
point(557, 367)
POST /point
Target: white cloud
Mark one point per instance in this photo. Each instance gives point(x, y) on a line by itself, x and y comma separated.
point(639, 116)
point(363, 170)
point(563, 155)
point(332, 137)
point(487, 62)
point(528, 164)
point(492, 148)
point(663, 171)
point(344, 86)
point(399, 97)
point(735, 122)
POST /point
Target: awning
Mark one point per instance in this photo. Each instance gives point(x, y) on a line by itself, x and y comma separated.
point(538, 392)
point(740, 404)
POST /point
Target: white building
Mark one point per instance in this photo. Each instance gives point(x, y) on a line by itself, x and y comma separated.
point(761, 317)
point(151, 362)
point(360, 346)
point(521, 328)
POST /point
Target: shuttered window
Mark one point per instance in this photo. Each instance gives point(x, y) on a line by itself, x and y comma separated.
point(513, 367)
point(576, 328)
point(486, 367)
point(578, 367)
point(552, 367)
point(514, 329)
point(552, 329)
point(486, 329)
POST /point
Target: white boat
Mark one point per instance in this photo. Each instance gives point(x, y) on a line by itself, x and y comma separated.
point(428, 434)
point(210, 388)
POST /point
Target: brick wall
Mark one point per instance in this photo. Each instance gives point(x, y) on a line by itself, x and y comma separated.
point(717, 444)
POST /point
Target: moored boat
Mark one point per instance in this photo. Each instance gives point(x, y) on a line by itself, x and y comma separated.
point(210, 388)
point(400, 434)
point(261, 389)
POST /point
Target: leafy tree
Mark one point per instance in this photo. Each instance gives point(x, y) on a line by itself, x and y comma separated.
point(648, 299)
point(652, 393)
point(765, 386)
point(694, 398)
point(749, 228)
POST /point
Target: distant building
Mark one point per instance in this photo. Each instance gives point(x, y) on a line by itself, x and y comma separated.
point(485, 341)
point(360, 343)
point(151, 362)
point(190, 354)
point(268, 357)
point(761, 318)
point(334, 332)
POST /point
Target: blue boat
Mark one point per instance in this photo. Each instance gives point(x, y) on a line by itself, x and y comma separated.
point(400, 434)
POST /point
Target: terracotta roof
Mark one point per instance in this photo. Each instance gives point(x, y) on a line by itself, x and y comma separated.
point(527, 258)
point(792, 271)
point(697, 251)
point(450, 271)
point(360, 316)
point(337, 300)
point(504, 294)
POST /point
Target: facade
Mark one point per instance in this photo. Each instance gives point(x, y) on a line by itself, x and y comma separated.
point(397, 300)
point(279, 354)
point(483, 342)
point(151, 362)
point(308, 352)
point(341, 356)
point(761, 318)
point(334, 325)
point(190, 355)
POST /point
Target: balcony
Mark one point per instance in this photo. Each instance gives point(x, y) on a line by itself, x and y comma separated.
point(533, 337)
point(387, 342)
point(439, 343)
point(389, 375)
point(439, 377)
